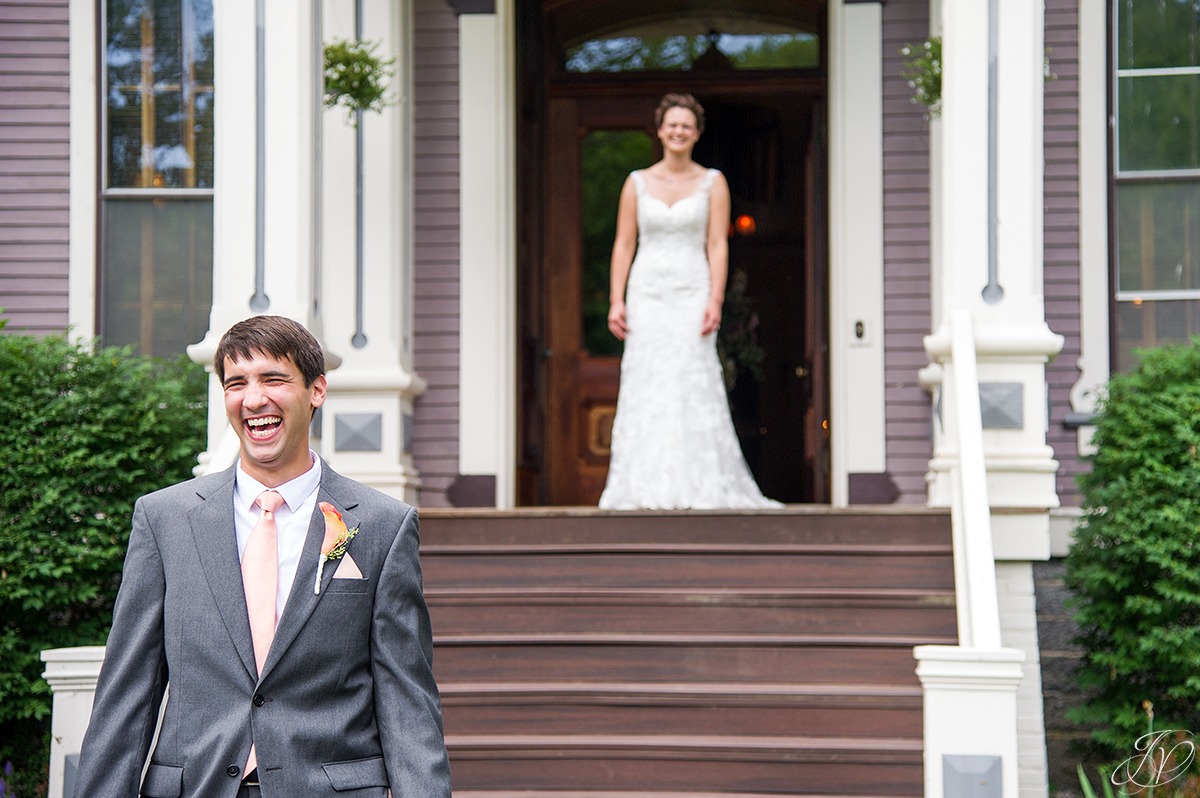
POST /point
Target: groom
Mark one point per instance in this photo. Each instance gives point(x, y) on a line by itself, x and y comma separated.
point(282, 605)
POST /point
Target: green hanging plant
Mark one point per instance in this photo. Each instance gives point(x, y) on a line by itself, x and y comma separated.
point(923, 71)
point(356, 78)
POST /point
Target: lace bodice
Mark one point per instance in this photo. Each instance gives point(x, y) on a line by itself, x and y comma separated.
point(671, 239)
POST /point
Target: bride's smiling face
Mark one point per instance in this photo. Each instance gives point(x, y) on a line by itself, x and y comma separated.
point(678, 131)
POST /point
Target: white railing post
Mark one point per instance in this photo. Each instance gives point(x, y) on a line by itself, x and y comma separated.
point(72, 675)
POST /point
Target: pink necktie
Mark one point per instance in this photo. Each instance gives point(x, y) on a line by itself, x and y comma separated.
point(260, 579)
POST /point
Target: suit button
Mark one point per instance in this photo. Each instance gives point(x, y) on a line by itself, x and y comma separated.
point(233, 770)
point(259, 700)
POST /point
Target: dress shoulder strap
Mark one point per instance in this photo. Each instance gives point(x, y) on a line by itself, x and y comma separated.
point(709, 177)
point(639, 181)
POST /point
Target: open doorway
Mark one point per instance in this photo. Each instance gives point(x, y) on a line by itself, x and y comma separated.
point(579, 138)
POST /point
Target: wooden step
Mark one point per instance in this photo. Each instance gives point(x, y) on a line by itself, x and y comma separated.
point(707, 763)
point(712, 569)
point(679, 709)
point(665, 611)
point(811, 524)
point(722, 661)
point(640, 794)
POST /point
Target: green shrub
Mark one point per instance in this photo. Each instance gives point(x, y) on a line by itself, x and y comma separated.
point(1135, 564)
point(82, 435)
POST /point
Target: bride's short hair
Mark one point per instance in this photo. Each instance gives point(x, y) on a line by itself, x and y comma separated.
point(673, 100)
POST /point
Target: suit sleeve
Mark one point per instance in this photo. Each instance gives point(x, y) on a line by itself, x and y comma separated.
point(133, 677)
point(407, 705)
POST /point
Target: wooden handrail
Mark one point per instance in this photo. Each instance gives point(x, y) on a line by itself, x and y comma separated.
point(970, 510)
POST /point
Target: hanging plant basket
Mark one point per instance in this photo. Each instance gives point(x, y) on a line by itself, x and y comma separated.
point(923, 71)
point(356, 78)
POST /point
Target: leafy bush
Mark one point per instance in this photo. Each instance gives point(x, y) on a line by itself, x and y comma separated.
point(1135, 564)
point(83, 435)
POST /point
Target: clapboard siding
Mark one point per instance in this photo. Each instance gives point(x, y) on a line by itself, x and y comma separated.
point(34, 165)
point(1061, 246)
point(436, 246)
point(906, 255)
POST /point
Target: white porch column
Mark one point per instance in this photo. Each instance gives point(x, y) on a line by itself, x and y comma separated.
point(365, 272)
point(856, 244)
point(996, 273)
point(989, 231)
point(72, 675)
point(267, 72)
point(487, 270)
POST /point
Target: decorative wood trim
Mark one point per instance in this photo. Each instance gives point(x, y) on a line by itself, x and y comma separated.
point(473, 490)
point(873, 489)
point(473, 6)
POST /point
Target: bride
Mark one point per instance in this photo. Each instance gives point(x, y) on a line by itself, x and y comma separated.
point(673, 443)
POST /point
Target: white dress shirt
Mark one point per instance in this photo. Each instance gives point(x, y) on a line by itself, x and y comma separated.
point(292, 520)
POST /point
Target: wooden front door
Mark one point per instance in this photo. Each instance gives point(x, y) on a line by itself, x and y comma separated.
point(591, 144)
point(768, 145)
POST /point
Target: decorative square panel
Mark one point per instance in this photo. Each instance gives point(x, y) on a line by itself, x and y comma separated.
point(1002, 405)
point(358, 432)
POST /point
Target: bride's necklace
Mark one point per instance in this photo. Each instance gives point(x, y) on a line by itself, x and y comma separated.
point(670, 177)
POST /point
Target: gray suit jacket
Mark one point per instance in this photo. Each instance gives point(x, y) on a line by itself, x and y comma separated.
point(346, 704)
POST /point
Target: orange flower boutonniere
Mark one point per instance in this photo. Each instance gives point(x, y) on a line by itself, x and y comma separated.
point(337, 537)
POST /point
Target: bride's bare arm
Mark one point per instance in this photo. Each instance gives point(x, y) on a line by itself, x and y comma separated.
point(718, 252)
point(624, 245)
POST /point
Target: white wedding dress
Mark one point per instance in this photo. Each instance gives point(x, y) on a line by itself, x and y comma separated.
point(673, 443)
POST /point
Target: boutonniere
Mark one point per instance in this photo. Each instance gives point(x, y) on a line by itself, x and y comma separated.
point(337, 537)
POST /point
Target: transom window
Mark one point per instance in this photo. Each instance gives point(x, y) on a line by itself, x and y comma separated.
point(668, 49)
point(157, 182)
point(1156, 160)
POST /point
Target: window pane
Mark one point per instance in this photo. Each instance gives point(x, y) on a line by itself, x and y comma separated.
point(159, 93)
point(157, 285)
point(608, 156)
point(1141, 325)
point(1159, 122)
point(1158, 236)
point(1158, 33)
point(632, 53)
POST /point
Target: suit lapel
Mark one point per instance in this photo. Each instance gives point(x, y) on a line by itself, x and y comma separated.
point(302, 599)
point(212, 529)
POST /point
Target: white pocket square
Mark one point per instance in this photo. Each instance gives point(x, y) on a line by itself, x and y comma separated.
point(347, 568)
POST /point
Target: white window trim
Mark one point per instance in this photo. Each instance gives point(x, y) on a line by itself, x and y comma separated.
point(1093, 215)
point(84, 170)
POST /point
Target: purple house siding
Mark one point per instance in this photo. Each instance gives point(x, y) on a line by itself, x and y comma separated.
point(1062, 232)
point(435, 244)
point(906, 287)
point(34, 163)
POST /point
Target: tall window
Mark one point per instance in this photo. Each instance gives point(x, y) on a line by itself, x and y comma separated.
point(157, 182)
point(1156, 160)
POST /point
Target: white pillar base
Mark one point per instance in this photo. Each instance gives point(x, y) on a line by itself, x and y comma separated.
point(970, 708)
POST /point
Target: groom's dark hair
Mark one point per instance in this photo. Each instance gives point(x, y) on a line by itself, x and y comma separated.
point(277, 336)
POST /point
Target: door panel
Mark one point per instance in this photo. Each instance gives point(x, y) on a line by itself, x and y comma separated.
point(591, 146)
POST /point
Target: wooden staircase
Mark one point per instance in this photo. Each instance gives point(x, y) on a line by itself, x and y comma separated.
point(584, 654)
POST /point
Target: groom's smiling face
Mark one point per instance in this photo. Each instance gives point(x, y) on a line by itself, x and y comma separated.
point(270, 408)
